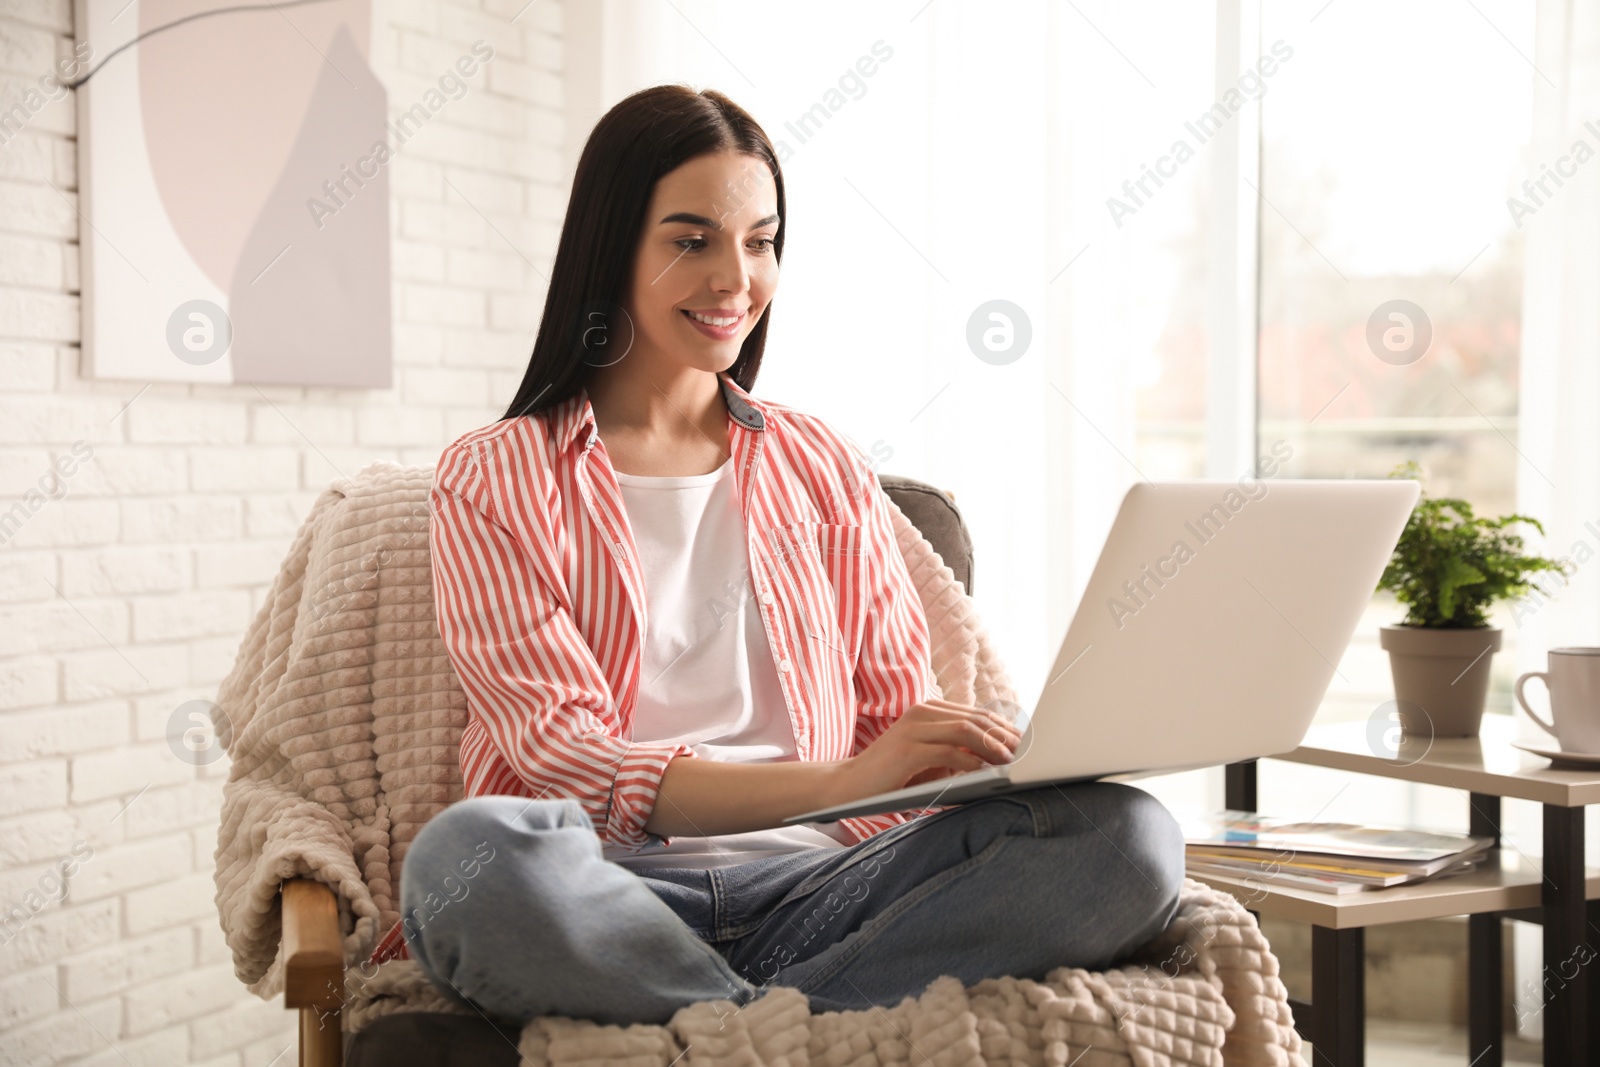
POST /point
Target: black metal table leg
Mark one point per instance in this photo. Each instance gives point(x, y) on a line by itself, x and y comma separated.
point(1338, 997)
point(1239, 786)
point(1592, 936)
point(1566, 950)
point(1239, 794)
point(1485, 958)
point(1485, 991)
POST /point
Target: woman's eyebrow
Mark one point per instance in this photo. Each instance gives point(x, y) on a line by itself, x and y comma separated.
point(700, 220)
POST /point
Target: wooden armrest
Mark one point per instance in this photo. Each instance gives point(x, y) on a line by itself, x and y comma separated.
point(313, 958)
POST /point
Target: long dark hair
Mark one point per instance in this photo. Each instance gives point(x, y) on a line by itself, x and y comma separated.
point(642, 138)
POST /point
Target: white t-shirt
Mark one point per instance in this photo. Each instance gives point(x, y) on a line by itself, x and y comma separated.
point(708, 678)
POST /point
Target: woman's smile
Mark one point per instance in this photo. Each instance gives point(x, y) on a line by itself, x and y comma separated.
point(719, 328)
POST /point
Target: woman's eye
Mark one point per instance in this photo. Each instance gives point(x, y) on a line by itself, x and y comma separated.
point(694, 244)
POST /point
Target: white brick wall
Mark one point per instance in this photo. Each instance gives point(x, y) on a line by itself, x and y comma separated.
point(128, 595)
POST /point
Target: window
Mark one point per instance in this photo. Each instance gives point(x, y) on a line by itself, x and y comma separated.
point(1390, 278)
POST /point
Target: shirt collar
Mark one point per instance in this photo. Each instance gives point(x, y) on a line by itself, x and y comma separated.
point(573, 419)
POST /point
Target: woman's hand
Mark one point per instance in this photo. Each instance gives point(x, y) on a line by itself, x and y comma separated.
point(931, 740)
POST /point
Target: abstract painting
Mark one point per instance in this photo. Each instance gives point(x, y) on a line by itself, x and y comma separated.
point(234, 193)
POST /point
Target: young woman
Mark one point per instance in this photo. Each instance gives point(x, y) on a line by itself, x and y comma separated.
point(680, 616)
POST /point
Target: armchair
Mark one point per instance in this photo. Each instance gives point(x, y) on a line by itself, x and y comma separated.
point(314, 966)
point(346, 719)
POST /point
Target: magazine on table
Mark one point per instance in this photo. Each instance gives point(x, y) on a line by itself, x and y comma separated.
point(1324, 856)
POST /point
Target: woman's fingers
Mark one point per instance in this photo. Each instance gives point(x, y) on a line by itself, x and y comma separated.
point(951, 738)
point(1002, 745)
point(964, 733)
point(967, 709)
point(951, 705)
point(991, 729)
point(999, 727)
point(955, 758)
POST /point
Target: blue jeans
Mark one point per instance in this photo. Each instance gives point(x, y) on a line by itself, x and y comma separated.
point(511, 908)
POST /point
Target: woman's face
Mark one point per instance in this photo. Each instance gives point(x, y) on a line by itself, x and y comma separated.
point(707, 247)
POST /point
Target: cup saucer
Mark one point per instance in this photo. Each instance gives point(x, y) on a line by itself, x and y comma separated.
point(1556, 755)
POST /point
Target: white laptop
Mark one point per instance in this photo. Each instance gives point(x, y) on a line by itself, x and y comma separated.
point(1208, 633)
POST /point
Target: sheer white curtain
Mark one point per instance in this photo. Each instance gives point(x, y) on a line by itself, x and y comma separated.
point(1559, 436)
point(1559, 477)
point(973, 165)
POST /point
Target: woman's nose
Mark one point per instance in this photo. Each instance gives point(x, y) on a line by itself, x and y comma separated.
point(732, 273)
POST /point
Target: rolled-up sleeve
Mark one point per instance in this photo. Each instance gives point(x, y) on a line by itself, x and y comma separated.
point(894, 670)
point(533, 686)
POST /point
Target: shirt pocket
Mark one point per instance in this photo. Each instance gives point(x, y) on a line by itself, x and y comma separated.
point(825, 564)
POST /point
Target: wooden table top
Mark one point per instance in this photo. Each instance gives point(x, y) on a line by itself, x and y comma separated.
point(1506, 881)
point(1483, 764)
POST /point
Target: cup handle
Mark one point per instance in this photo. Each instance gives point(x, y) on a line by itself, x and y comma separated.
point(1546, 727)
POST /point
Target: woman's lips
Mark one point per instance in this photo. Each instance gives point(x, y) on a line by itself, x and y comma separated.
point(716, 333)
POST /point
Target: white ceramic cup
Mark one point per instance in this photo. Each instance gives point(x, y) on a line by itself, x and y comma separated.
point(1573, 680)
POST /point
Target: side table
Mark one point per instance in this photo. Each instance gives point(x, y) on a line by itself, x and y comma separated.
point(1504, 883)
point(1485, 768)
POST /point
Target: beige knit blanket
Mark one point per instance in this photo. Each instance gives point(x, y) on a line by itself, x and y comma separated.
point(346, 717)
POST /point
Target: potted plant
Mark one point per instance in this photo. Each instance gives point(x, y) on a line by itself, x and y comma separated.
point(1448, 568)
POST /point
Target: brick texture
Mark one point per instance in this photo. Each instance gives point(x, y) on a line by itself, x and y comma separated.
point(142, 524)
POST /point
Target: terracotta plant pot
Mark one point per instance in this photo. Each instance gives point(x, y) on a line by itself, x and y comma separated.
point(1441, 677)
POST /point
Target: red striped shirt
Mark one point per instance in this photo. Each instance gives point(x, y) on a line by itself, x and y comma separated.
point(541, 605)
